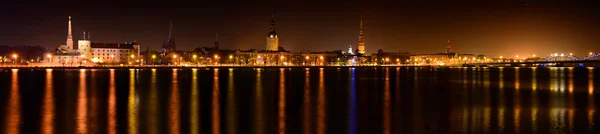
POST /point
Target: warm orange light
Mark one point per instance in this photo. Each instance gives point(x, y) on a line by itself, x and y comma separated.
point(82, 55)
point(174, 56)
point(307, 57)
point(387, 59)
point(132, 56)
point(49, 56)
point(321, 57)
point(216, 56)
point(281, 57)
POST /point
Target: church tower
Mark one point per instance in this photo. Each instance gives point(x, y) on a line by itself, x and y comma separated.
point(217, 41)
point(272, 39)
point(448, 48)
point(361, 39)
point(169, 45)
point(70, 36)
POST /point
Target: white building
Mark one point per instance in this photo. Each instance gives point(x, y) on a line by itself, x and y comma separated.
point(88, 52)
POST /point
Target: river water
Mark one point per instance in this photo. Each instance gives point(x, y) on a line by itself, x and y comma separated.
point(300, 100)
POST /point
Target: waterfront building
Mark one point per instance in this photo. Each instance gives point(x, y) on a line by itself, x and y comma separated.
point(389, 58)
point(272, 39)
point(88, 52)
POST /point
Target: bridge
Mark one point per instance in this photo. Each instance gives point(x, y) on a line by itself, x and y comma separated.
point(591, 60)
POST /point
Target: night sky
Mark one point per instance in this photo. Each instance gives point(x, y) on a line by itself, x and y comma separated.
point(493, 29)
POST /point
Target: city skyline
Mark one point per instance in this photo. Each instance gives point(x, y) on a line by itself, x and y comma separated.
point(512, 29)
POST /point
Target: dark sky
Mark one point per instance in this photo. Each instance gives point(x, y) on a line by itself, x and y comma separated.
point(493, 29)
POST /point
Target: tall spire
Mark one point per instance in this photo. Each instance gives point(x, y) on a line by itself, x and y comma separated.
point(70, 35)
point(448, 48)
point(69, 41)
point(361, 38)
point(272, 27)
point(217, 41)
point(361, 26)
point(170, 29)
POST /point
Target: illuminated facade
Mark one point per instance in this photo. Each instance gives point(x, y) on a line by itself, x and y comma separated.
point(88, 52)
point(272, 39)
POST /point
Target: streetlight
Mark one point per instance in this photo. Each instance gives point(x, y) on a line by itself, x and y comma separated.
point(15, 57)
point(49, 57)
point(591, 53)
point(153, 57)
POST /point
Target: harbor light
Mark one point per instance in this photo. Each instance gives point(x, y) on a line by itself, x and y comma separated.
point(194, 56)
point(49, 56)
point(307, 57)
point(153, 56)
point(174, 56)
point(230, 56)
point(216, 56)
point(591, 53)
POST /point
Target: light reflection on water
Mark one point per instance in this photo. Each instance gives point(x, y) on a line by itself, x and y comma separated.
point(274, 100)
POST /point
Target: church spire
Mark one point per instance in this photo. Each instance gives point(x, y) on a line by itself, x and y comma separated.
point(69, 42)
point(217, 41)
point(272, 27)
point(70, 35)
point(170, 29)
point(361, 38)
point(361, 26)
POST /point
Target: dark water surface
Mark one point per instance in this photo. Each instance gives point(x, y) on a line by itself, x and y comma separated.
point(299, 100)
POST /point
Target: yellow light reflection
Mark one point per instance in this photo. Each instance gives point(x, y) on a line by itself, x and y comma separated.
point(259, 111)
point(387, 119)
point(153, 106)
point(174, 105)
point(321, 126)
point(112, 104)
point(13, 120)
point(48, 107)
point(306, 122)
point(590, 81)
point(534, 79)
point(82, 104)
point(93, 105)
point(216, 116)
point(281, 101)
point(231, 117)
point(132, 111)
point(570, 88)
point(194, 108)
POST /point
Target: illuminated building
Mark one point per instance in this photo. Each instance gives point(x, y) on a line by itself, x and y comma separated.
point(272, 39)
point(89, 52)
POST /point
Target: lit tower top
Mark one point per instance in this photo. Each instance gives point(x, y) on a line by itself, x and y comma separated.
point(272, 27)
point(70, 36)
point(448, 49)
point(169, 45)
point(361, 39)
point(272, 39)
